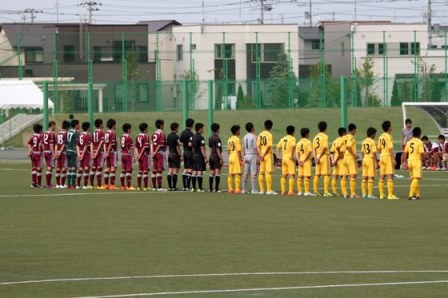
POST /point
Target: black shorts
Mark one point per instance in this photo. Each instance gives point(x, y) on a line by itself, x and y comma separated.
point(188, 159)
point(198, 162)
point(214, 162)
point(173, 160)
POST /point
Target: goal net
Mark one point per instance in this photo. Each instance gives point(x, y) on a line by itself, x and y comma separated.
point(437, 111)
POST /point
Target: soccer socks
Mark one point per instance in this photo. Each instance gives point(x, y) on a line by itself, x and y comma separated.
point(306, 184)
point(254, 181)
point(112, 177)
point(412, 187)
point(291, 184)
point(352, 186)
point(261, 182)
point(315, 183)
point(390, 187)
point(188, 180)
point(99, 176)
point(370, 187)
point(106, 177)
point(283, 184)
point(169, 178)
point(184, 181)
point(159, 179)
point(193, 181)
point(230, 183)
point(334, 184)
point(122, 176)
point(210, 182)
point(39, 177)
point(269, 182)
point(217, 181)
point(129, 178)
point(344, 186)
point(417, 188)
point(237, 182)
point(174, 181)
point(381, 188)
point(33, 176)
point(86, 177)
point(327, 181)
point(139, 179)
point(58, 177)
point(145, 179)
point(154, 179)
point(63, 176)
point(364, 187)
point(299, 185)
point(48, 176)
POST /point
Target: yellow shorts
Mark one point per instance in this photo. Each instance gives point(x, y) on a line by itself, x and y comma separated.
point(415, 168)
point(386, 165)
point(350, 165)
point(288, 167)
point(234, 165)
point(368, 167)
point(323, 167)
point(267, 164)
point(338, 168)
point(305, 170)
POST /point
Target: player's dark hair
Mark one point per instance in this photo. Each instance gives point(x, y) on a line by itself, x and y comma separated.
point(341, 131)
point(417, 131)
point(159, 123)
point(126, 127)
point(249, 126)
point(111, 123)
point(198, 126)
point(425, 138)
point(351, 127)
point(441, 137)
point(85, 126)
point(98, 123)
point(235, 128)
point(74, 123)
point(371, 131)
point(65, 124)
point(268, 124)
point(322, 126)
point(143, 126)
point(189, 122)
point(37, 128)
point(290, 129)
point(174, 126)
point(304, 132)
point(386, 125)
point(408, 121)
point(51, 123)
point(215, 127)
point(71, 116)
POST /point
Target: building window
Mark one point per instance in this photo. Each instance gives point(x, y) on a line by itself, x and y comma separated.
point(180, 52)
point(103, 54)
point(370, 49)
point(404, 48)
point(224, 51)
point(34, 55)
point(381, 48)
point(342, 49)
point(142, 54)
point(315, 44)
point(407, 48)
point(267, 52)
point(415, 48)
point(69, 53)
point(118, 45)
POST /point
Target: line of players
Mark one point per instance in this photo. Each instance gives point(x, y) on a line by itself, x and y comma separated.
point(86, 153)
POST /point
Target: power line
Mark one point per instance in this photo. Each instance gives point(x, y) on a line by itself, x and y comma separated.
point(91, 6)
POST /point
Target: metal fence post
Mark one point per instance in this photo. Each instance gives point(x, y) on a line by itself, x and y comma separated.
point(210, 106)
point(45, 99)
point(343, 102)
point(184, 101)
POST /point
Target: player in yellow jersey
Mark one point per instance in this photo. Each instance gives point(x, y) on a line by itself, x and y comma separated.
point(350, 163)
point(337, 159)
point(369, 164)
point(235, 160)
point(265, 154)
point(414, 152)
point(321, 154)
point(285, 151)
point(304, 150)
point(387, 161)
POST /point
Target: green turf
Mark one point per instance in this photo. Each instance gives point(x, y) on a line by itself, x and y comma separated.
point(363, 117)
point(58, 234)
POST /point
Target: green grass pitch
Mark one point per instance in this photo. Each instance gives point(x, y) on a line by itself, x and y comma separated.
point(60, 243)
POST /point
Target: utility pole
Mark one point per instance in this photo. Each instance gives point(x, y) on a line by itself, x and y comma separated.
point(32, 13)
point(91, 6)
point(263, 7)
point(429, 23)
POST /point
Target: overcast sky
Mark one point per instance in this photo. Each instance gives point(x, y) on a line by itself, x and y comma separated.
point(223, 11)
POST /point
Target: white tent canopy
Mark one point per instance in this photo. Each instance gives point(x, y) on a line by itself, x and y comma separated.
point(21, 94)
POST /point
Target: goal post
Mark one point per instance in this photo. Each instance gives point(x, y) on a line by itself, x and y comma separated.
point(436, 111)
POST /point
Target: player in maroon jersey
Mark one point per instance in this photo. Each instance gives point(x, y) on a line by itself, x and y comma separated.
point(158, 148)
point(35, 154)
point(97, 149)
point(48, 142)
point(61, 158)
point(142, 148)
point(83, 151)
point(110, 156)
point(127, 154)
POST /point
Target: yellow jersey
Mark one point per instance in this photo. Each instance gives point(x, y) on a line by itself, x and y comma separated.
point(414, 148)
point(385, 144)
point(304, 147)
point(349, 142)
point(234, 145)
point(320, 143)
point(368, 148)
point(335, 146)
point(287, 145)
point(264, 142)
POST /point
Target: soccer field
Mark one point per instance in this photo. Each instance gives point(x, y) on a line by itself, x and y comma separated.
point(80, 243)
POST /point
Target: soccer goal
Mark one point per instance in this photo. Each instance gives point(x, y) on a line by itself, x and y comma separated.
point(437, 111)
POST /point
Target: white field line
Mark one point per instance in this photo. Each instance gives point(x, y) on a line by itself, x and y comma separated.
point(169, 276)
point(400, 283)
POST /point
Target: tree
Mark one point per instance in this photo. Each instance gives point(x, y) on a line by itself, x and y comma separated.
point(332, 87)
point(425, 73)
point(133, 74)
point(365, 80)
point(395, 100)
point(281, 79)
point(242, 101)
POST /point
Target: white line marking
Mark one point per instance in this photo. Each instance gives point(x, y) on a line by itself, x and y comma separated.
point(69, 193)
point(15, 170)
point(400, 283)
point(214, 275)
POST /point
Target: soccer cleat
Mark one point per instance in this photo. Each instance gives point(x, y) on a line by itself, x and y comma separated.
point(122, 188)
point(218, 190)
point(272, 193)
point(309, 194)
point(161, 189)
point(372, 197)
point(112, 187)
point(382, 198)
point(193, 190)
point(106, 186)
point(284, 193)
point(393, 197)
point(327, 194)
point(78, 187)
point(255, 192)
point(336, 194)
point(237, 191)
point(318, 194)
point(230, 191)
point(130, 188)
point(200, 190)
point(34, 185)
point(418, 198)
point(291, 193)
point(364, 196)
point(355, 196)
point(58, 186)
point(300, 193)
point(346, 197)
point(411, 198)
point(102, 187)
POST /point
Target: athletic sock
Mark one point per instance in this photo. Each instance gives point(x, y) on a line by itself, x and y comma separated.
point(169, 178)
point(217, 182)
point(145, 180)
point(291, 184)
point(154, 179)
point(48, 175)
point(261, 182)
point(184, 181)
point(412, 187)
point(92, 176)
point(86, 177)
point(210, 182)
point(364, 187)
point(283, 184)
point(306, 184)
point(254, 181)
point(122, 176)
point(193, 181)
point(344, 186)
point(269, 182)
point(129, 179)
point(189, 180)
point(58, 177)
point(230, 183)
point(139, 179)
point(370, 187)
point(381, 187)
point(200, 178)
point(334, 184)
point(299, 185)
point(390, 187)
point(99, 176)
point(174, 181)
point(159, 179)
point(238, 182)
point(316, 183)
point(112, 177)
point(417, 188)
point(327, 181)
point(39, 177)
point(352, 186)
point(79, 177)
point(106, 177)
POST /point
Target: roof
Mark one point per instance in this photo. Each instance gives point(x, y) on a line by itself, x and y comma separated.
point(30, 34)
point(154, 26)
point(21, 94)
point(309, 33)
